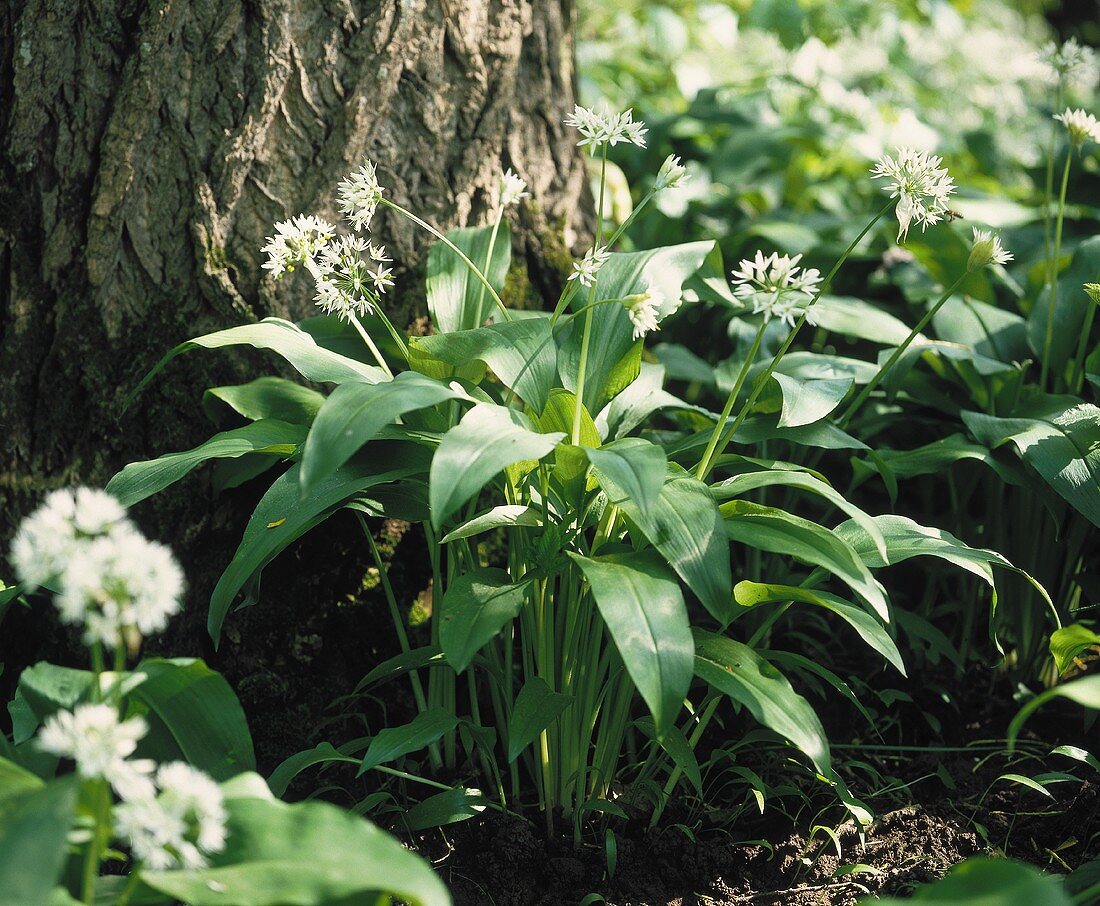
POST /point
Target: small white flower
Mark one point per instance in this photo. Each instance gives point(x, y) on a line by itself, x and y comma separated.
point(346, 283)
point(606, 128)
point(1082, 126)
point(1065, 59)
point(920, 184)
point(295, 241)
point(586, 270)
point(101, 745)
point(181, 825)
point(777, 287)
point(359, 194)
point(986, 249)
point(643, 311)
point(671, 175)
point(512, 189)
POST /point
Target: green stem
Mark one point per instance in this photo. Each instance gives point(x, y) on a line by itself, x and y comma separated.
point(370, 345)
point(488, 260)
point(1055, 262)
point(474, 269)
point(762, 380)
point(708, 457)
point(131, 885)
point(1082, 342)
point(890, 362)
point(586, 337)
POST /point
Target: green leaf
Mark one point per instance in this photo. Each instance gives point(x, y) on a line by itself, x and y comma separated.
point(503, 516)
point(631, 465)
point(16, 781)
point(1060, 438)
point(1069, 641)
point(739, 672)
point(308, 854)
point(859, 319)
point(637, 402)
point(282, 516)
point(643, 609)
point(457, 300)
point(140, 480)
point(269, 397)
point(475, 607)
point(354, 414)
point(536, 707)
point(981, 881)
point(1070, 308)
point(194, 712)
point(394, 742)
point(482, 444)
point(779, 532)
point(677, 748)
point(749, 594)
point(522, 354)
point(34, 828)
point(685, 526)
point(1084, 691)
point(459, 804)
point(288, 340)
point(289, 768)
point(806, 402)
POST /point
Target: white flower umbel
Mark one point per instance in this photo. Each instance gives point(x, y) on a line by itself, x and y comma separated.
point(586, 270)
point(178, 827)
point(1081, 126)
point(296, 241)
point(358, 196)
point(350, 274)
point(643, 311)
point(101, 745)
point(777, 286)
point(512, 189)
point(672, 174)
point(46, 539)
point(1066, 59)
point(986, 249)
point(597, 129)
point(921, 185)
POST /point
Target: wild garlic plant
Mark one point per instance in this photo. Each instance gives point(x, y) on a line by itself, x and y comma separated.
point(148, 748)
point(585, 661)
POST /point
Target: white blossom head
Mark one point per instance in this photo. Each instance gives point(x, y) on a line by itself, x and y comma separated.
point(586, 270)
point(672, 174)
point(358, 196)
point(598, 129)
point(179, 826)
point(295, 242)
point(986, 249)
point(777, 287)
point(350, 276)
point(1065, 60)
point(921, 185)
point(643, 311)
point(1081, 126)
point(47, 537)
point(512, 189)
point(101, 745)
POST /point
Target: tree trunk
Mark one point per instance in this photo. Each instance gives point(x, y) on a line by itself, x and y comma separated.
point(147, 147)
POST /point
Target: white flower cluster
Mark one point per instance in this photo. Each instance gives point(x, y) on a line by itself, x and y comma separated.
point(1066, 60)
point(1081, 126)
point(598, 129)
point(359, 195)
point(986, 249)
point(658, 299)
point(587, 269)
point(512, 189)
point(921, 185)
point(107, 575)
point(349, 274)
point(777, 287)
point(295, 241)
point(173, 819)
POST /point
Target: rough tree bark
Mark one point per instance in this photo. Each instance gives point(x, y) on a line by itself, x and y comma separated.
point(146, 148)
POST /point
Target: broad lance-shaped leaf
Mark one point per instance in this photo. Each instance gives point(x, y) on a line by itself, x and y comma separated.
point(140, 480)
point(34, 833)
point(1071, 304)
point(503, 516)
point(457, 300)
point(458, 804)
point(488, 439)
point(475, 607)
point(750, 594)
point(661, 272)
point(282, 516)
point(309, 854)
point(1060, 437)
point(676, 747)
point(355, 413)
point(633, 465)
point(984, 881)
point(779, 532)
point(522, 354)
point(393, 742)
point(643, 609)
point(1070, 641)
point(289, 768)
point(537, 706)
point(739, 672)
point(685, 526)
point(266, 397)
point(806, 402)
point(288, 340)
